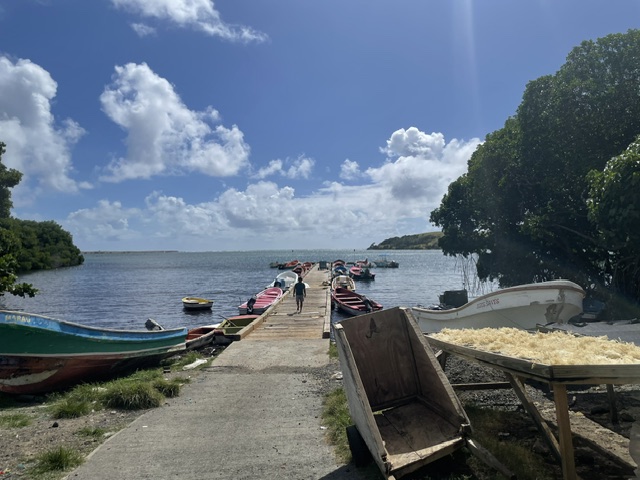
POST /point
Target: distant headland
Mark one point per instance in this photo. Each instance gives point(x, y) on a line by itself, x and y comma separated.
point(419, 241)
point(132, 251)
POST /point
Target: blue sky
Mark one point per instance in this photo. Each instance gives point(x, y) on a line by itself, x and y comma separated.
point(196, 125)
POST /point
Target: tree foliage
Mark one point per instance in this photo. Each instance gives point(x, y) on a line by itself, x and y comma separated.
point(523, 205)
point(27, 245)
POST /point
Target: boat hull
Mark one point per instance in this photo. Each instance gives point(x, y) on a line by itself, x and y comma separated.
point(194, 303)
point(522, 306)
point(39, 354)
point(201, 336)
point(353, 303)
point(264, 300)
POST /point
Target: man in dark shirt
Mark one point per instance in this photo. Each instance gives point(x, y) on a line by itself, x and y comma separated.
point(300, 291)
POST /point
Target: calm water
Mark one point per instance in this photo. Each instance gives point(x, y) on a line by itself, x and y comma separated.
point(122, 290)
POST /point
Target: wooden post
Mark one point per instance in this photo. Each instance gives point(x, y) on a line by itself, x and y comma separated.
point(564, 430)
point(527, 403)
point(613, 408)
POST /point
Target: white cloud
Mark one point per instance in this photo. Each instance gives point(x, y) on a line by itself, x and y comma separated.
point(200, 15)
point(37, 144)
point(143, 30)
point(421, 166)
point(397, 200)
point(414, 142)
point(349, 170)
point(274, 167)
point(108, 221)
point(301, 167)
point(163, 135)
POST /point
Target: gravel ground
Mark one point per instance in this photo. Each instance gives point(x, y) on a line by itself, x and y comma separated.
point(20, 446)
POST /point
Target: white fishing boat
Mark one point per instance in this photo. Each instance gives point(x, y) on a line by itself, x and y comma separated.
point(521, 306)
point(343, 281)
point(284, 280)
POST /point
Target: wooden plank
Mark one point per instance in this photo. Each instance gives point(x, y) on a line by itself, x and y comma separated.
point(527, 403)
point(359, 406)
point(481, 386)
point(613, 408)
point(564, 431)
point(433, 384)
point(380, 343)
point(588, 374)
point(486, 456)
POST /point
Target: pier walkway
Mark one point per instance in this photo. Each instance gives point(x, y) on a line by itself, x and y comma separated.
point(252, 413)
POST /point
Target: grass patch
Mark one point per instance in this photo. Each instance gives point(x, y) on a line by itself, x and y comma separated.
point(92, 432)
point(70, 408)
point(336, 417)
point(14, 420)
point(140, 390)
point(77, 402)
point(127, 395)
point(177, 362)
point(516, 456)
point(333, 350)
point(59, 459)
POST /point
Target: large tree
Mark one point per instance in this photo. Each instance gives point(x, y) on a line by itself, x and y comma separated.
point(9, 245)
point(522, 205)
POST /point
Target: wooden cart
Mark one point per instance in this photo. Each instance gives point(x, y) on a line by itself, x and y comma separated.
point(404, 409)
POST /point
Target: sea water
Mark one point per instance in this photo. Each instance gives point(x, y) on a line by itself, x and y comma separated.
point(123, 290)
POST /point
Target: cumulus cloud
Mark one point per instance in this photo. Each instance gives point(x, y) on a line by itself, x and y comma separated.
point(420, 166)
point(38, 145)
point(107, 221)
point(163, 135)
point(349, 170)
point(199, 15)
point(299, 168)
point(395, 198)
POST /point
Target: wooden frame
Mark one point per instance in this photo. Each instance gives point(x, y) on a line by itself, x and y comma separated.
point(557, 377)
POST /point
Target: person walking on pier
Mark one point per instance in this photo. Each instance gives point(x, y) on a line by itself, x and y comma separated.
point(300, 291)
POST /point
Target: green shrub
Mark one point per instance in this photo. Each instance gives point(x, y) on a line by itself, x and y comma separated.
point(59, 459)
point(128, 395)
point(167, 388)
point(69, 407)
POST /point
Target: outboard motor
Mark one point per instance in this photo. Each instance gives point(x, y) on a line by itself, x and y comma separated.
point(367, 304)
point(250, 303)
point(151, 324)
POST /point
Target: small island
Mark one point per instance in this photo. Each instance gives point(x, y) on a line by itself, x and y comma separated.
point(419, 241)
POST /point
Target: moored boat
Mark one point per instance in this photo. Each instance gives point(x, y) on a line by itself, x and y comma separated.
point(39, 354)
point(284, 280)
point(521, 306)
point(289, 265)
point(260, 302)
point(361, 273)
point(353, 303)
point(230, 328)
point(385, 262)
point(199, 337)
point(343, 281)
point(196, 303)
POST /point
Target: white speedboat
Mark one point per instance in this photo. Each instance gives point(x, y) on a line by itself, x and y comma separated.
point(284, 280)
point(522, 306)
